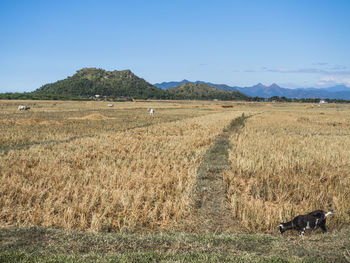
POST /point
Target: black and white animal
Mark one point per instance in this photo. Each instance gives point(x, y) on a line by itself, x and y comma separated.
point(151, 112)
point(23, 107)
point(311, 221)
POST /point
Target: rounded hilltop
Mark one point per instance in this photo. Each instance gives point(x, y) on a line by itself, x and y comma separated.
point(203, 91)
point(92, 81)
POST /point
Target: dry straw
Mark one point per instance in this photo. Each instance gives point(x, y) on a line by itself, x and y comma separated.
point(288, 163)
point(136, 179)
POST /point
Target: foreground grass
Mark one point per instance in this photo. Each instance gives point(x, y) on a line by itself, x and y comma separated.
point(38, 244)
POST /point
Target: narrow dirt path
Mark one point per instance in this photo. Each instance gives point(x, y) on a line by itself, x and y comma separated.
point(212, 212)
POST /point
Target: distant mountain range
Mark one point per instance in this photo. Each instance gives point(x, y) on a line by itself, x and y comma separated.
point(260, 90)
point(123, 84)
point(202, 91)
point(173, 84)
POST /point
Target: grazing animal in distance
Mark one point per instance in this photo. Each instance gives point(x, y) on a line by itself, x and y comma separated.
point(22, 107)
point(310, 221)
point(151, 112)
point(110, 105)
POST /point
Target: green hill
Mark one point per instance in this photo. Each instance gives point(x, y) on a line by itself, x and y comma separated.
point(203, 91)
point(89, 82)
point(92, 81)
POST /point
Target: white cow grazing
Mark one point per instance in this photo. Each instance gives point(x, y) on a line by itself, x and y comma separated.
point(22, 107)
point(151, 112)
point(110, 105)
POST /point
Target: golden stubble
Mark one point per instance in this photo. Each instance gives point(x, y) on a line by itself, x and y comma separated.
point(116, 180)
point(290, 162)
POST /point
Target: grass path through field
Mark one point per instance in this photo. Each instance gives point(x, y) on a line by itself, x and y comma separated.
point(212, 211)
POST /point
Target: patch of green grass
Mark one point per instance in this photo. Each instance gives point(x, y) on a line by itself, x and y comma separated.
point(216, 158)
point(39, 244)
point(237, 122)
point(136, 257)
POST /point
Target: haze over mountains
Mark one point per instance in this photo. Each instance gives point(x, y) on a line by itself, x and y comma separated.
point(260, 90)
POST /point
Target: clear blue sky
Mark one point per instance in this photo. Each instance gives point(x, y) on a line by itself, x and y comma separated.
point(293, 43)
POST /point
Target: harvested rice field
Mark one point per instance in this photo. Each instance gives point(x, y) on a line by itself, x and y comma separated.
point(84, 166)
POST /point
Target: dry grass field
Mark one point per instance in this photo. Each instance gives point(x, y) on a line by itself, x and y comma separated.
point(81, 165)
point(71, 166)
point(50, 121)
point(289, 160)
point(85, 166)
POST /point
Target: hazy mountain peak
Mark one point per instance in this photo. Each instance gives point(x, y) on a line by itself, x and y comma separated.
point(274, 86)
point(260, 85)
